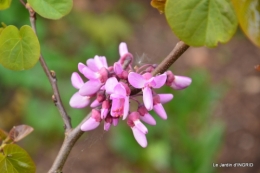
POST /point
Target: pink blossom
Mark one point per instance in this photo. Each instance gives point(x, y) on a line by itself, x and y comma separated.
point(93, 122)
point(120, 97)
point(147, 82)
point(139, 130)
point(177, 82)
point(158, 108)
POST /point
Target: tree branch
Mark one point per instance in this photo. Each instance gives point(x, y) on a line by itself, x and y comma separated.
point(52, 78)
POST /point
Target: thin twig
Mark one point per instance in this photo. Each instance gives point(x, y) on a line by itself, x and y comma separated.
point(52, 78)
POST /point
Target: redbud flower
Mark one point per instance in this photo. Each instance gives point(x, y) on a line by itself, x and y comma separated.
point(138, 128)
point(93, 122)
point(177, 82)
point(147, 82)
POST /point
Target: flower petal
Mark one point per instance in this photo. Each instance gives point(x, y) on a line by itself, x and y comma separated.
point(104, 113)
point(122, 49)
point(181, 82)
point(140, 126)
point(106, 126)
point(158, 108)
point(164, 98)
point(110, 85)
point(92, 65)
point(95, 103)
point(88, 73)
point(90, 124)
point(120, 90)
point(136, 80)
point(118, 69)
point(115, 121)
point(100, 61)
point(160, 80)
point(139, 137)
point(148, 98)
point(81, 66)
point(90, 87)
point(126, 107)
point(148, 119)
point(76, 80)
point(79, 101)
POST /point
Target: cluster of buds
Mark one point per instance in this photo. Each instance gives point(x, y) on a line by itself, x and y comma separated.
point(114, 88)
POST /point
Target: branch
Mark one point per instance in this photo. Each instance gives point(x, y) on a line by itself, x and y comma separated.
point(66, 147)
point(51, 76)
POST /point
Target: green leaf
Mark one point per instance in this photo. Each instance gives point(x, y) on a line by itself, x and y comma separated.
point(14, 159)
point(248, 14)
point(201, 22)
point(19, 50)
point(1, 29)
point(51, 9)
point(4, 4)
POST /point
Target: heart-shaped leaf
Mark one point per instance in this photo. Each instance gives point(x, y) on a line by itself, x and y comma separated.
point(201, 22)
point(19, 132)
point(19, 50)
point(4, 4)
point(51, 9)
point(14, 159)
point(1, 29)
point(248, 14)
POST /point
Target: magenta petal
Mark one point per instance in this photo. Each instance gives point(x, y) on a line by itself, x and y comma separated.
point(110, 85)
point(141, 126)
point(164, 98)
point(90, 124)
point(100, 61)
point(104, 61)
point(95, 103)
point(148, 98)
point(92, 65)
point(122, 49)
point(118, 69)
point(181, 82)
point(115, 121)
point(160, 80)
point(148, 119)
point(88, 73)
point(120, 90)
point(136, 80)
point(90, 87)
point(79, 101)
point(158, 108)
point(139, 137)
point(126, 107)
point(104, 113)
point(76, 80)
point(81, 66)
point(107, 126)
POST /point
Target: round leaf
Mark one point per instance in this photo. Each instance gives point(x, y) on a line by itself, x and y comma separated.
point(248, 16)
point(4, 4)
point(51, 9)
point(14, 159)
point(19, 50)
point(201, 22)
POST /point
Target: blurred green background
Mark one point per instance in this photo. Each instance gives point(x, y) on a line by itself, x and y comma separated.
point(188, 141)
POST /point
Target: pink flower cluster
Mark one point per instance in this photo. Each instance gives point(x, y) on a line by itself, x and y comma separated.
point(110, 89)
